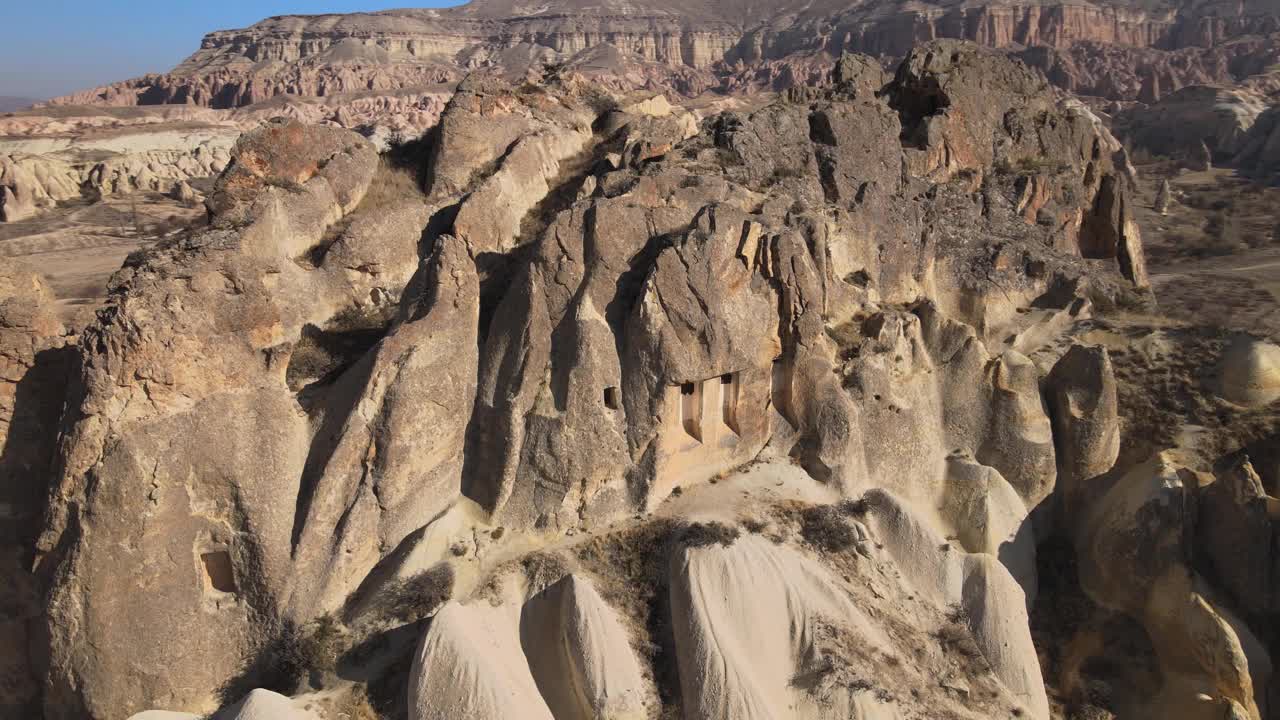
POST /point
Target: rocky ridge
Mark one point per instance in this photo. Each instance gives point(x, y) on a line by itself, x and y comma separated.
point(701, 45)
point(632, 412)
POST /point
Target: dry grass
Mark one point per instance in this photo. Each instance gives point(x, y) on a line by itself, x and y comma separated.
point(417, 597)
point(393, 183)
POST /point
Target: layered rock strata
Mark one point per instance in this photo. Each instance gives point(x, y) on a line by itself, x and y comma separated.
point(402, 49)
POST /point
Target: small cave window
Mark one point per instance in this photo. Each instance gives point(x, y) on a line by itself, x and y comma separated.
point(611, 398)
point(691, 409)
point(729, 401)
point(218, 572)
point(780, 389)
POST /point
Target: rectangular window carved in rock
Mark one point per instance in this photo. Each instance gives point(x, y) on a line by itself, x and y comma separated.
point(691, 409)
point(780, 389)
point(217, 571)
point(611, 398)
point(729, 401)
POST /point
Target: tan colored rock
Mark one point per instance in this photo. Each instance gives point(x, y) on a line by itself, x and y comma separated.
point(265, 705)
point(1234, 527)
point(183, 192)
point(1249, 372)
point(991, 602)
point(1164, 197)
point(580, 654)
point(562, 653)
point(746, 620)
point(397, 458)
point(1133, 558)
point(1217, 117)
point(1086, 422)
point(470, 665)
point(1259, 155)
point(204, 329)
point(35, 367)
point(302, 411)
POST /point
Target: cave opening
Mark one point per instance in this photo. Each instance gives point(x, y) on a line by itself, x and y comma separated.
point(218, 572)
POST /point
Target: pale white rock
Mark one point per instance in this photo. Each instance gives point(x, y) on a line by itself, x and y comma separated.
point(470, 666)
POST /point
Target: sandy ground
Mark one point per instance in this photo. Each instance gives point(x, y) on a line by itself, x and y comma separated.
point(78, 246)
point(1215, 257)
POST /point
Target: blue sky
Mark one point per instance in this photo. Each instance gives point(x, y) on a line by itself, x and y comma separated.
point(53, 47)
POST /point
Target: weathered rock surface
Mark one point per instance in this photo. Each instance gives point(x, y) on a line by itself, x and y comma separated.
point(1149, 72)
point(562, 653)
point(210, 506)
point(34, 366)
point(1177, 124)
point(36, 173)
point(692, 46)
point(1250, 372)
point(601, 302)
point(1260, 150)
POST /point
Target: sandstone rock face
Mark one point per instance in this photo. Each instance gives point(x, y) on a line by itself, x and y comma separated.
point(1218, 117)
point(1082, 388)
point(1236, 528)
point(1134, 554)
point(752, 615)
point(1260, 151)
point(34, 366)
point(37, 173)
point(692, 46)
point(1250, 372)
point(1121, 71)
point(212, 507)
point(563, 653)
point(597, 304)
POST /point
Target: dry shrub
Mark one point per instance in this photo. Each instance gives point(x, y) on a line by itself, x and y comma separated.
point(825, 528)
point(392, 185)
point(417, 597)
point(705, 534)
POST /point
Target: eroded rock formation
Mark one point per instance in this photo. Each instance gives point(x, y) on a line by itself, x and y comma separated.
point(1116, 51)
point(629, 413)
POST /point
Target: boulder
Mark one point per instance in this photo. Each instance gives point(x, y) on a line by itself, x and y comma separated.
point(562, 653)
point(1217, 117)
point(1164, 197)
point(989, 600)
point(1249, 372)
point(1134, 557)
point(265, 705)
point(581, 654)
point(1084, 409)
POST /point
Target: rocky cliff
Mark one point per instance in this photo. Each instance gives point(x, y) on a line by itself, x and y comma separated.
point(627, 415)
point(401, 49)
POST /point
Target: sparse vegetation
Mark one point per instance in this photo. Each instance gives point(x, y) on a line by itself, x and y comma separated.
point(392, 185)
point(783, 173)
point(544, 569)
point(321, 353)
point(826, 528)
point(293, 657)
point(697, 535)
point(634, 566)
point(417, 597)
point(1224, 230)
